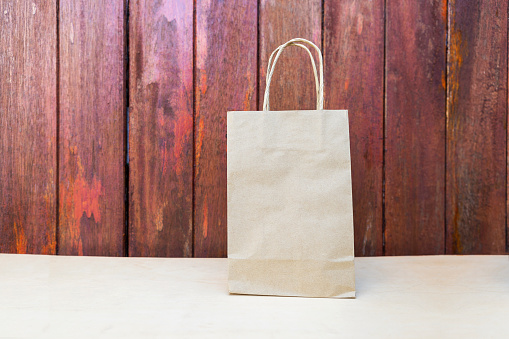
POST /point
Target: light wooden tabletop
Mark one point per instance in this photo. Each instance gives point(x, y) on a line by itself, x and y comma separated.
point(397, 297)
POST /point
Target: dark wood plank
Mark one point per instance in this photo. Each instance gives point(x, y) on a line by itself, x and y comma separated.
point(226, 45)
point(292, 85)
point(354, 65)
point(477, 127)
point(161, 128)
point(28, 126)
point(92, 111)
point(415, 127)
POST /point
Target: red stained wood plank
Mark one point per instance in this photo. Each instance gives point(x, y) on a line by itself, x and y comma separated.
point(226, 45)
point(415, 127)
point(477, 127)
point(292, 85)
point(92, 108)
point(28, 126)
point(354, 64)
point(161, 128)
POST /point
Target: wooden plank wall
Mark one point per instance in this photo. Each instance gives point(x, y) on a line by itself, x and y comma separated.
point(113, 119)
point(415, 127)
point(354, 57)
point(28, 126)
point(477, 127)
point(225, 79)
point(91, 125)
point(160, 128)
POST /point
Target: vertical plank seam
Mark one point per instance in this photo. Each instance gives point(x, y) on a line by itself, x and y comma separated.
point(322, 47)
point(193, 188)
point(446, 120)
point(384, 112)
point(126, 126)
point(258, 56)
point(507, 133)
point(323, 32)
point(57, 113)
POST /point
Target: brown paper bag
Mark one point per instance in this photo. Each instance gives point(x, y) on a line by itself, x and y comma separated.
point(290, 217)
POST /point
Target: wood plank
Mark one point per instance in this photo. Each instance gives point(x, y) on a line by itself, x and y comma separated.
point(92, 114)
point(161, 128)
point(226, 45)
point(415, 127)
point(28, 126)
point(292, 85)
point(354, 66)
point(477, 127)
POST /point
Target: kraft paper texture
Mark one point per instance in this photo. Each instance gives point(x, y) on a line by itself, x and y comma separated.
point(290, 215)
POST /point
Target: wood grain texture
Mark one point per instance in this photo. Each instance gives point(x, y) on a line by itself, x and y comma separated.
point(28, 126)
point(292, 85)
point(161, 128)
point(92, 106)
point(354, 66)
point(477, 127)
point(415, 127)
point(226, 44)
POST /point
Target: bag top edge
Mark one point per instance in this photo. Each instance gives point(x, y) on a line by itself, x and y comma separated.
point(295, 110)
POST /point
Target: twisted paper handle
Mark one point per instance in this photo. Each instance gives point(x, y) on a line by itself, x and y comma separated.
point(272, 63)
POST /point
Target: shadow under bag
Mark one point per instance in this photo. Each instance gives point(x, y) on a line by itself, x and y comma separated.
point(290, 215)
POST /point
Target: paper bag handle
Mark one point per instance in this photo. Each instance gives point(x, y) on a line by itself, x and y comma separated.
point(270, 69)
point(272, 63)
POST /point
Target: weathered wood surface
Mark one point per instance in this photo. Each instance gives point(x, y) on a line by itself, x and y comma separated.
point(415, 127)
point(92, 108)
point(293, 83)
point(354, 64)
point(161, 128)
point(226, 44)
point(477, 127)
point(428, 127)
point(28, 126)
